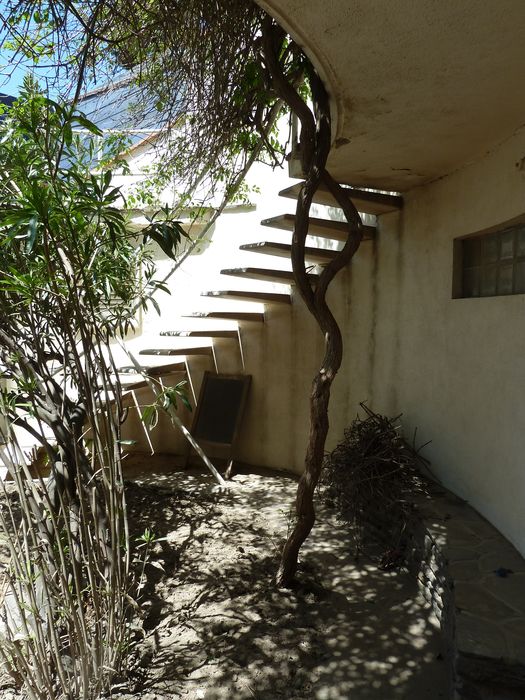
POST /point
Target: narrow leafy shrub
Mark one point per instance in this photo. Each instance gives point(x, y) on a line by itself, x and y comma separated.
point(71, 277)
point(66, 608)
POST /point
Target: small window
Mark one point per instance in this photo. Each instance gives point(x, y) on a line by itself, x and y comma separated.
point(492, 264)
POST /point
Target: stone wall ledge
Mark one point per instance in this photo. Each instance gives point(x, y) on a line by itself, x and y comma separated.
point(475, 581)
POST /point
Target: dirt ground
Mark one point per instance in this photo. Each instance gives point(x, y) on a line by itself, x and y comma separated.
point(216, 627)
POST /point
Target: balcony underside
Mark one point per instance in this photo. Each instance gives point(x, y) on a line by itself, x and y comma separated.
point(417, 89)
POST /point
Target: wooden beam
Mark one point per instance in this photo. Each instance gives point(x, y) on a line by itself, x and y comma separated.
point(229, 315)
point(172, 352)
point(265, 275)
point(320, 256)
point(202, 334)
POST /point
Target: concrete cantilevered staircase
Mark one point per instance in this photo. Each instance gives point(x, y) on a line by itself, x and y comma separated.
point(220, 331)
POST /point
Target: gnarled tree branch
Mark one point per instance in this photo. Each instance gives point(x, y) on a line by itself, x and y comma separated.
point(315, 148)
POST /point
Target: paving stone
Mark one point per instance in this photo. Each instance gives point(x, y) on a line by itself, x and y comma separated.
point(482, 528)
point(490, 679)
point(454, 554)
point(458, 527)
point(432, 513)
point(474, 599)
point(463, 571)
point(516, 645)
point(506, 557)
point(451, 509)
point(487, 611)
point(516, 626)
point(459, 535)
point(509, 590)
point(476, 636)
point(492, 545)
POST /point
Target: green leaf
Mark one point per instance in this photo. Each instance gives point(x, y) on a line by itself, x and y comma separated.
point(32, 231)
point(155, 305)
point(150, 416)
point(68, 134)
point(84, 122)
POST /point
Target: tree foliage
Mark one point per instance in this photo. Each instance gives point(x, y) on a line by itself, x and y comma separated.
point(219, 73)
point(194, 67)
point(71, 275)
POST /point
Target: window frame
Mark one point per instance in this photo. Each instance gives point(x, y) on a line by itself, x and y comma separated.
point(493, 270)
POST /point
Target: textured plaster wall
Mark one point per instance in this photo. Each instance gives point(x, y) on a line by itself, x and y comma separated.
point(280, 354)
point(454, 367)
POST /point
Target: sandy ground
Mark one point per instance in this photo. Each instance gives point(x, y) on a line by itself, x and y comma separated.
point(216, 626)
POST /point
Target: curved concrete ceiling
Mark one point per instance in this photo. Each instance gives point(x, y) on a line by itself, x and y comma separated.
point(418, 87)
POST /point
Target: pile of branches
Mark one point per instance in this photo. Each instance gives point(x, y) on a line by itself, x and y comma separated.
point(372, 478)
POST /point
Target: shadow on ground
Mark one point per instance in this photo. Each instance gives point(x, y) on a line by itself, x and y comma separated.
point(217, 628)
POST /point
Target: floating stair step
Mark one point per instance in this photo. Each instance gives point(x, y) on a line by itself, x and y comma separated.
point(241, 295)
point(261, 273)
point(169, 352)
point(230, 315)
point(320, 256)
point(129, 384)
point(325, 228)
point(128, 369)
point(366, 202)
point(202, 334)
point(135, 385)
point(162, 370)
point(155, 370)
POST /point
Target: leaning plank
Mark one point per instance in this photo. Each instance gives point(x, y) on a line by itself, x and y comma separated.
point(175, 419)
point(171, 352)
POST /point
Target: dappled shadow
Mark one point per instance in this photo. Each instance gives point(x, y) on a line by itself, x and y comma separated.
point(220, 628)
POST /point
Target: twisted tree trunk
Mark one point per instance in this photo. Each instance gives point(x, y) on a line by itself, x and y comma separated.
point(315, 147)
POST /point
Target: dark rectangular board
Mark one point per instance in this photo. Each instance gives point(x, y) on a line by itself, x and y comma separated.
point(220, 407)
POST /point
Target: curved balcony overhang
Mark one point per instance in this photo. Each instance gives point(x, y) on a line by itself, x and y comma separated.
point(418, 88)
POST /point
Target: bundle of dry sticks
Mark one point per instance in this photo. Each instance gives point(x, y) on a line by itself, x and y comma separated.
point(372, 478)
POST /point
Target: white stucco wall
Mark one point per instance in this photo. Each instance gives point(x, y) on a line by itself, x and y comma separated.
point(454, 367)
point(274, 353)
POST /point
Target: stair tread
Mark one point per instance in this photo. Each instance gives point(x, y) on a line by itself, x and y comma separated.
point(155, 370)
point(218, 333)
point(366, 202)
point(244, 295)
point(318, 255)
point(265, 274)
point(168, 352)
point(325, 228)
point(161, 370)
point(229, 315)
point(135, 385)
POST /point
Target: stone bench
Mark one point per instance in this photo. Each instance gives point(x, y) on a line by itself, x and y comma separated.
point(475, 581)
